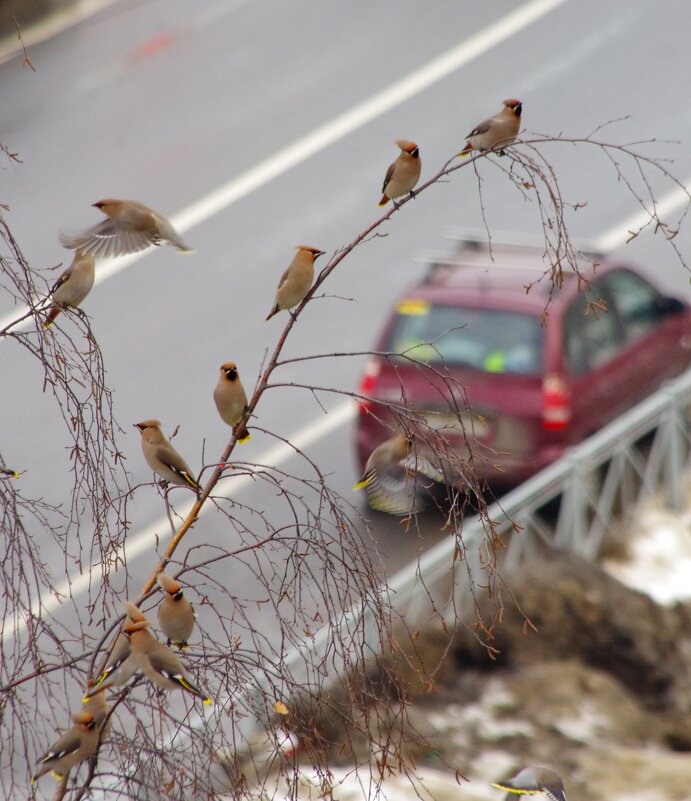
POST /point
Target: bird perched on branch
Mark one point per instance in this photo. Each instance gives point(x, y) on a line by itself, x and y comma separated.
point(533, 780)
point(392, 477)
point(162, 457)
point(76, 745)
point(231, 399)
point(175, 613)
point(121, 666)
point(403, 174)
point(158, 663)
point(297, 280)
point(496, 132)
point(72, 286)
point(129, 227)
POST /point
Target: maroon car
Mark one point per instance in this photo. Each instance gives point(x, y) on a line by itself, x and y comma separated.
point(515, 377)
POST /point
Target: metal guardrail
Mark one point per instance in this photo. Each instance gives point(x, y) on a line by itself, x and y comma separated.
point(642, 453)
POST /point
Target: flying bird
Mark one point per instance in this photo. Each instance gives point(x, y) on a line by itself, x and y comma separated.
point(532, 780)
point(76, 745)
point(296, 281)
point(392, 477)
point(403, 174)
point(158, 663)
point(231, 399)
point(496, 132)
point(72, 286)
point(162, 457)
point(129, 227)
point(175, 613)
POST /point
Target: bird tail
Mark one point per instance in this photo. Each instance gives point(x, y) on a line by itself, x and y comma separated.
point(50, 317)
point(273, 311)
point(186, 685)
point(384, 200)
point(466, 151)
point(243, 435)
point(7, 471)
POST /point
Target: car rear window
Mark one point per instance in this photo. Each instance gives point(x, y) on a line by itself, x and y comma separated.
point(491, 340)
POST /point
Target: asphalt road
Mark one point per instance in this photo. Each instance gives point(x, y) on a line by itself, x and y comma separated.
point(165, 101)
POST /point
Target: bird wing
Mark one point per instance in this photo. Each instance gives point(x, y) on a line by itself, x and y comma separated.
point(395, 492)
point(61, 280)
point(180, 469)
point(109, 238)
point(67, 744)
point(421, 466)
point(483, 127)
point(387, 178)
point(160, 663)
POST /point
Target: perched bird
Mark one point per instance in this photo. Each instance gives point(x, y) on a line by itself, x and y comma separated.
point(72, 286)
point(403, 174)
point(158, 663)
point(392, 477)
point(76, 745)
point(296, 281)
point(121, 666)
point(96, 705)
point(230, 398)
point(175, 613)
point(496, 132)
point(533, 780)
point(162, 457)
point(129, 227)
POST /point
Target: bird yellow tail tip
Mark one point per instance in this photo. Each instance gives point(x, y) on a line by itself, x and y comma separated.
point(384, 200)
point(360, 484)
point(246, 438)
point(208, 701)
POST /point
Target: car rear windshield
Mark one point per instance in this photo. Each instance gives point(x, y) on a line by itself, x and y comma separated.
point(491, 340)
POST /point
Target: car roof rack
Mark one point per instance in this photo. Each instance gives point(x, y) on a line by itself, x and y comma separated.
point(475, 248)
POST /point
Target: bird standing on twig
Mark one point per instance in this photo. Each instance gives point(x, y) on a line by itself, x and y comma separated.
point(297, 279)
point(230, 399)
point(162, 457)
point(77, 744)
point(175, 613)
point(72, 286)
point(496, 132)
point(403, 174)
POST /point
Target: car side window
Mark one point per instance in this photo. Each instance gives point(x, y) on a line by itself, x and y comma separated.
point(638, 303)
point(592, 336)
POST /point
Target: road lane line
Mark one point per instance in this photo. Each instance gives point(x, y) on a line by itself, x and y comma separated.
point(320, 138)
point(154, 533)
point(617, 236)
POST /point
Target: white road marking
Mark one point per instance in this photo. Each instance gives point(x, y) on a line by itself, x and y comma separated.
point(307, 146)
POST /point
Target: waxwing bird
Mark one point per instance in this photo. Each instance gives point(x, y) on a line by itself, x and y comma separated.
point(175, 613)
point(158, 663)
point(532, 780)
point(8, 471)
point(121, 665)
point(403, 174)
point(96, 705)
point(392, 477)
point(496, 132)
point(296, 281)
point(231, 399)
point(76, 745)
point(129, 227)
point(162, 457)
point(72, 286)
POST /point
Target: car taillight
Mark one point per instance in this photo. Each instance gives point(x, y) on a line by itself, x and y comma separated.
point(556, 406)
point(367, 384)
